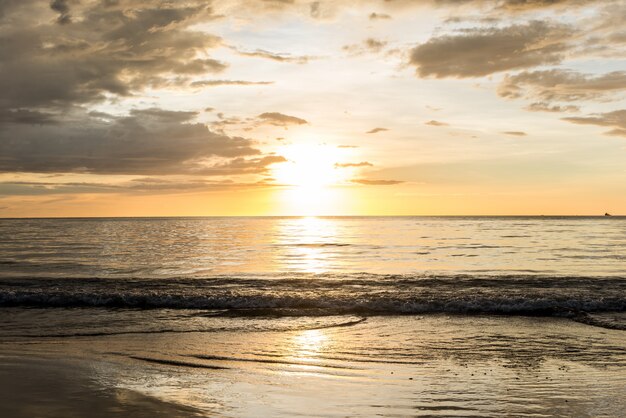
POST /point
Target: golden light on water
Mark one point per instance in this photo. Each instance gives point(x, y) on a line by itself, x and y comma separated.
point(307, 345)
point(309, 342)
point(305, 240)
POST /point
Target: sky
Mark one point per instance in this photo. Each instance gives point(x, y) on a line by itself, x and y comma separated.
point(331, 107)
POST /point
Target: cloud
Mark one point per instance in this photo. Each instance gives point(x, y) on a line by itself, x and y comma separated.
point(539, 4)
point(240, 165)
point(106, 50)
point(515, 133)
point(63, 9)
point(478, 52)
point(562, 86)
point(361, 164)
point(215, 83)
point(377, 182)
point(376, 130)
point(368, 45)
point(280, 119)
point(326, 9)
point(280, 57)
point(148, 185)
point(615, 119)
point(26, 116)
point(379, 16)
point(547, 107)
point(436, 123)
point(147, 141)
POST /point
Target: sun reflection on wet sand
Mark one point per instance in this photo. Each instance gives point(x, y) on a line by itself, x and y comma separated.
point(304, 349)
point(309, 343)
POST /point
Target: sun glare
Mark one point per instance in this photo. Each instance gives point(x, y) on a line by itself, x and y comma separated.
point(309, 166)
point(309, 175)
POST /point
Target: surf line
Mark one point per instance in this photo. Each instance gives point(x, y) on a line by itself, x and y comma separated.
point(340, 325)
point(178, 363)
point(584, 318)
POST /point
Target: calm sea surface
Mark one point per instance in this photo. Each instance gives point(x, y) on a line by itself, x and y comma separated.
point(204, 247)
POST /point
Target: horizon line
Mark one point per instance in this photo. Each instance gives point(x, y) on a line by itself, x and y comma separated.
point(310, 216)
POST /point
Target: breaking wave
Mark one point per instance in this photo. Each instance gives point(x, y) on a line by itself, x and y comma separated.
point(359, 294)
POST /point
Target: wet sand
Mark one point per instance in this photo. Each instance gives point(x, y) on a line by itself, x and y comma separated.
point(439, 365)
point(32, 386)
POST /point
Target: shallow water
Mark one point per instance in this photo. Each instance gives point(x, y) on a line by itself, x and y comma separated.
point(433, 365)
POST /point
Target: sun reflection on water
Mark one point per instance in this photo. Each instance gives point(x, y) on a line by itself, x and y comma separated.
point(309, 244)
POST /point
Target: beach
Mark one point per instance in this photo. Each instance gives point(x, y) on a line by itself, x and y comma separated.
point(432, 365)
point(312, 208)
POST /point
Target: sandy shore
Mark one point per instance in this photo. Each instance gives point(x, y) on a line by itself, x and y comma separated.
point(392, 366)
point(32, 386)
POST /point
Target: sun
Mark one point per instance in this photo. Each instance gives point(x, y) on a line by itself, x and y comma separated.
point(310, 177)
point(309, 166)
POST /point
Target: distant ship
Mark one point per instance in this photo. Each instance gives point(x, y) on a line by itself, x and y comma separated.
point(607, 214)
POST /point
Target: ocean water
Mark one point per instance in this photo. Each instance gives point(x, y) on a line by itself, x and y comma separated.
point(317, 266)
point(437, 316)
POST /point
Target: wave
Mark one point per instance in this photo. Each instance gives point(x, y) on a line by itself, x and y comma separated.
point(589, 319)
point(170, 362)
point(108, 332)
point(356, 294)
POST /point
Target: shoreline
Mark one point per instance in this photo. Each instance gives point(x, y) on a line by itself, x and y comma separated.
point(440, 364)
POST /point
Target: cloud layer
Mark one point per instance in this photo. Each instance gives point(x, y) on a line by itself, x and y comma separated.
point(615, 119)
point(101, 49)
point(148, 141)
point(479, 52)
point(559, 85)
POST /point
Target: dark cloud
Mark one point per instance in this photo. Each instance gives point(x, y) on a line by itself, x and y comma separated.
point(280, 119)
point(562, 85)
point(376, 130)
point(361, 164)
point(435, 123)
point(147, 141)
point(479, 52)
point(215, 83)
point(149, 185)
point(515, 133)
point(63, 9)
point(377, 182)
point(108, 50)
point(25, 116)
point(615, 120)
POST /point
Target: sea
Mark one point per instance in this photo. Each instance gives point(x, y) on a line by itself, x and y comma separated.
point(278, 316)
